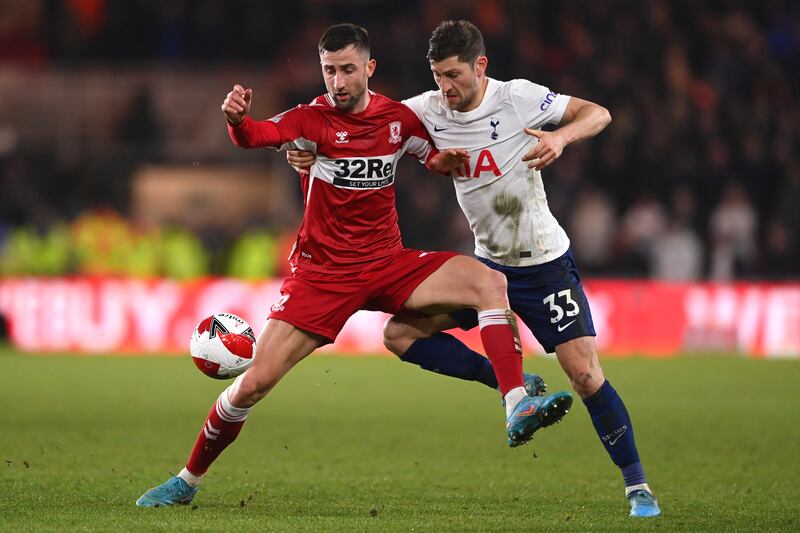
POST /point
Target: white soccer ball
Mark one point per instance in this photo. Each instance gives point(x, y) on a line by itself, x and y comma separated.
point(223, 346)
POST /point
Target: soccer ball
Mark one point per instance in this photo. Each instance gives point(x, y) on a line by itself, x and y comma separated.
point(223, 346)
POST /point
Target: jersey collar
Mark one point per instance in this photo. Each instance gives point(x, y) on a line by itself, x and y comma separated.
point(463, 118)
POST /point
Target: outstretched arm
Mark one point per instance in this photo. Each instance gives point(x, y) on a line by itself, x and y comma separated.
point(581, 120)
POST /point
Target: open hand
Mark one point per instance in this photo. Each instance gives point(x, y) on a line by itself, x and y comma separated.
point(547, 150)
point(448, 160)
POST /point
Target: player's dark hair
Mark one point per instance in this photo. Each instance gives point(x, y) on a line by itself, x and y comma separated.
point(456, 38)
point(340, 36)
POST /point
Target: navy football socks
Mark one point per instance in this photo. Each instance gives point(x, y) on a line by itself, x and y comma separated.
point(613, 426)
point(447, 355)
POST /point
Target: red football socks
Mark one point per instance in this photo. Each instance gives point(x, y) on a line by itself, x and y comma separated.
point(501, 342)
point(220, 429)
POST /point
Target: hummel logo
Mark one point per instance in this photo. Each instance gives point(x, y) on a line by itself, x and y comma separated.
point(342, 135)
point(565, 326)
point(438, 129)
point(615, 439)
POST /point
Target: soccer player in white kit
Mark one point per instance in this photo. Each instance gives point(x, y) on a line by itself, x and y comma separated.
point(502, 195)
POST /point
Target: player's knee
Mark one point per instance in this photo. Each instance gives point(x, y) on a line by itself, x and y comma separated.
point(585, 378)
point(251, 387)
point(398, 336)
point(586, 383)
point(579, 360)
point(493, 288)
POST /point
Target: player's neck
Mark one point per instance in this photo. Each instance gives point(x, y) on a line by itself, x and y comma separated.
point(478, 97)
point(362, 104)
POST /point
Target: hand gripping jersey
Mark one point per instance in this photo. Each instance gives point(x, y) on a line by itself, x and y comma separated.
point(503, 200)
point(350, 217)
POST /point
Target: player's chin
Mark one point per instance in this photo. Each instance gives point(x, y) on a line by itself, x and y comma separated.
point(453, 102)
point(345, 102)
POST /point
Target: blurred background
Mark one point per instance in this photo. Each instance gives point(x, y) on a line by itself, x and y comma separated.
point(115, 160)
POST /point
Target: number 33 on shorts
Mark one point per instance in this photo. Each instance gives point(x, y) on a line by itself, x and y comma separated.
point(562, 305)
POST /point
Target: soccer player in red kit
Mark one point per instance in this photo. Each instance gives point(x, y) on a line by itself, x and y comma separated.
point(349, 255)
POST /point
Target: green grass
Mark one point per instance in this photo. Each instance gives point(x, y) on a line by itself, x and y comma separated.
point(373, 444)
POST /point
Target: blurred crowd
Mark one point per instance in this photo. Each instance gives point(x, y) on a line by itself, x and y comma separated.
point(697, 177)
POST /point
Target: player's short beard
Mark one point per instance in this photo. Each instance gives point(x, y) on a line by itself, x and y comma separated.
point(468, 98)
point(351, 102)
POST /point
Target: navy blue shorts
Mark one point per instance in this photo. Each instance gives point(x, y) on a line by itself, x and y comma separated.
point(548, 298)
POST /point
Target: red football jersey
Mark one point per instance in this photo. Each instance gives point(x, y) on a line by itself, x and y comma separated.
point(350, 216)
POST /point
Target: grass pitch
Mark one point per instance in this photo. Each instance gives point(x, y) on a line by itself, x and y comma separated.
point(349, 444)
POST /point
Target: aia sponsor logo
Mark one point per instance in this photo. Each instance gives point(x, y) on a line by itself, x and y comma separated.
point(341, 137)
point(394, 132)
point(484, 163)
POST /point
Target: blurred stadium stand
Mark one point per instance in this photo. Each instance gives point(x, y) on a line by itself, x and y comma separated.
point(698, 177)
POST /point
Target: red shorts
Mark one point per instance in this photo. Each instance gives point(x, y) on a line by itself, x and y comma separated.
point(321, 303)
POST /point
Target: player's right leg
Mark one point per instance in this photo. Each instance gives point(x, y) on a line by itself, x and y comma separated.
point(418, 339)
point(280, 346)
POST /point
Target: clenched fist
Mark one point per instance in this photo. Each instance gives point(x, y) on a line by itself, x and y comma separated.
point(237, 104)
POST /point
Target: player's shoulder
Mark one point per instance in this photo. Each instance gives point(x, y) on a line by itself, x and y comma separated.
point(522, 89)
point(427, 104)
point(320, 104)
point(302, 110)
point(525, 96)
point(426, 99)
point(386, 104)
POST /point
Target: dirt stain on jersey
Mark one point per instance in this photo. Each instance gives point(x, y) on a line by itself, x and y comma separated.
point(510, 207)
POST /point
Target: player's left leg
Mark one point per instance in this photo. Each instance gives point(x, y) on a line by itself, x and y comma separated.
point(464, 282)
point(420, 340)
point(578, 358)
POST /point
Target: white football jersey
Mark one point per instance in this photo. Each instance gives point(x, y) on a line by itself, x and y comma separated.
point(503, 200)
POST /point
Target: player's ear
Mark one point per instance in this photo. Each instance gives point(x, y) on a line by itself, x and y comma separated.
point(480, 65)
point(371, 67)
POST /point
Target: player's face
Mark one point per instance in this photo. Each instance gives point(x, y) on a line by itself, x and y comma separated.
point(346, 72)
point(460, 82)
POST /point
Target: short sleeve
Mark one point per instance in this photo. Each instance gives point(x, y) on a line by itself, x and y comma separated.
point(537, 105)
point(415, 104)
point(418, 143)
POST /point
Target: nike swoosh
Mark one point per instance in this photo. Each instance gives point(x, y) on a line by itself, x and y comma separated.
point(437, 128)
point(615, 439)
point(565, 326)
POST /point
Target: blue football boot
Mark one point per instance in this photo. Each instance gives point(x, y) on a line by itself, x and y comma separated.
point(534, 384)
point(174, 491)
point(643, 503)
point(532, 413)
